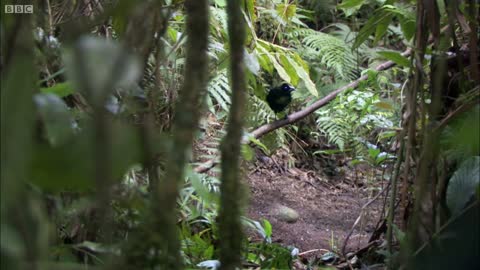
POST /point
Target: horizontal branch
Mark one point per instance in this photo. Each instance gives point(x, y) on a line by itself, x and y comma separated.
point(297, 116)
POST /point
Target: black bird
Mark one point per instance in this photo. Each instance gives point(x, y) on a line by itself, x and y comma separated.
point(279, 97)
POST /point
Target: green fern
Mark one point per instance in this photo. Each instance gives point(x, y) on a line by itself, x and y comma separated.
point(329, 50)
point(219, 91)
point(351, 117)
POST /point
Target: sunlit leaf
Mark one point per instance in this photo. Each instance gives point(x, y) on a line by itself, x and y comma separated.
point(286, 11)
point(303, 74)
point(268, 228)
point(292, 72)
point(221, 3)
point(395, 57)
point(279, 68)
point(350, 6)
point(384, 105)
point(56, 118)
point(247, 152)
point(60, 89)
point(251, 62)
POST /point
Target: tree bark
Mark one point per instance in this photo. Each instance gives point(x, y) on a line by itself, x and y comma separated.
point(185, 123)
point(230, 225)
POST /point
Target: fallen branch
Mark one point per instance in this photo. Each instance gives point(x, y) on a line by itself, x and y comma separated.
point(296, 116)
point(312, 251)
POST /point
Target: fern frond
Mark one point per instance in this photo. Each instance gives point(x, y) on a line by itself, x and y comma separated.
point(331, 51)
point(219, 90)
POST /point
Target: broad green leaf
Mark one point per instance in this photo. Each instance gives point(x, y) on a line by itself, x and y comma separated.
point(350, 6)
point(251, 62)
point(221, 3)
point(60, 89)
point(251, 10)
point(386, 135)
point(463, 184)
point(373, 153)
point(71, 166)
point(300, 61)
point(56, 117)
point(382, 28)
point(257, 142)
point(292, 72)
point(264, 59)
point(265, 63)
point(286, 11)
point(378, 17)
point(408, 28)
point(257, 227)
point(268, 227)
point(172, 34)
point(395, 57)
point(66, 167)
point(247, 152)
point(303, 74)
point(279, 68)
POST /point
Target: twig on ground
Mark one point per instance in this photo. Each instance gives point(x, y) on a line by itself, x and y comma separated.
point(360, 217)
point(311, 251)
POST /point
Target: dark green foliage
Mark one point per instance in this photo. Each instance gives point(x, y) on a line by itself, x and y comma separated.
point(79, 170)
point(463, 185)
point(271, 256)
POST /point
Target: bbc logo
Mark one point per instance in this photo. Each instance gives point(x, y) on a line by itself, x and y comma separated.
point(18, 8)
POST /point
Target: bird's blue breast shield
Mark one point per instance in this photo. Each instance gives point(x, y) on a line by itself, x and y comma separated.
point(287, 87)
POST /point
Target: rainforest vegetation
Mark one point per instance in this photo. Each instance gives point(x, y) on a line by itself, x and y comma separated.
point(240, 134)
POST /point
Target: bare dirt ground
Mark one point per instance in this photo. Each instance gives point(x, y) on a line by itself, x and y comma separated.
point(327, 208)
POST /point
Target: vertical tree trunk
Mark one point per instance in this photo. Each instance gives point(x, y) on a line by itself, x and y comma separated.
point(421, 224)
point(186, 121)
point(230, 226)
point(20, 211)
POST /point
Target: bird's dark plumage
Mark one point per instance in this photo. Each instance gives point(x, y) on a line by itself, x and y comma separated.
point(278, 98)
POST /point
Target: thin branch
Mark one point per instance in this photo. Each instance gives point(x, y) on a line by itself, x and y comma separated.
point(297, 116)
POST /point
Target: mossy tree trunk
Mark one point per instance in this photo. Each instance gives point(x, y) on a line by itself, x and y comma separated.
point(230, 226)
point(186, 121)
point(22, 214)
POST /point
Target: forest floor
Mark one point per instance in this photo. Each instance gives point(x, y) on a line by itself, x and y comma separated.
point(327, 206)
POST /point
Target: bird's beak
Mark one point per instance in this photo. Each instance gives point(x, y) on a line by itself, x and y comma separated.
point(292, 88)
